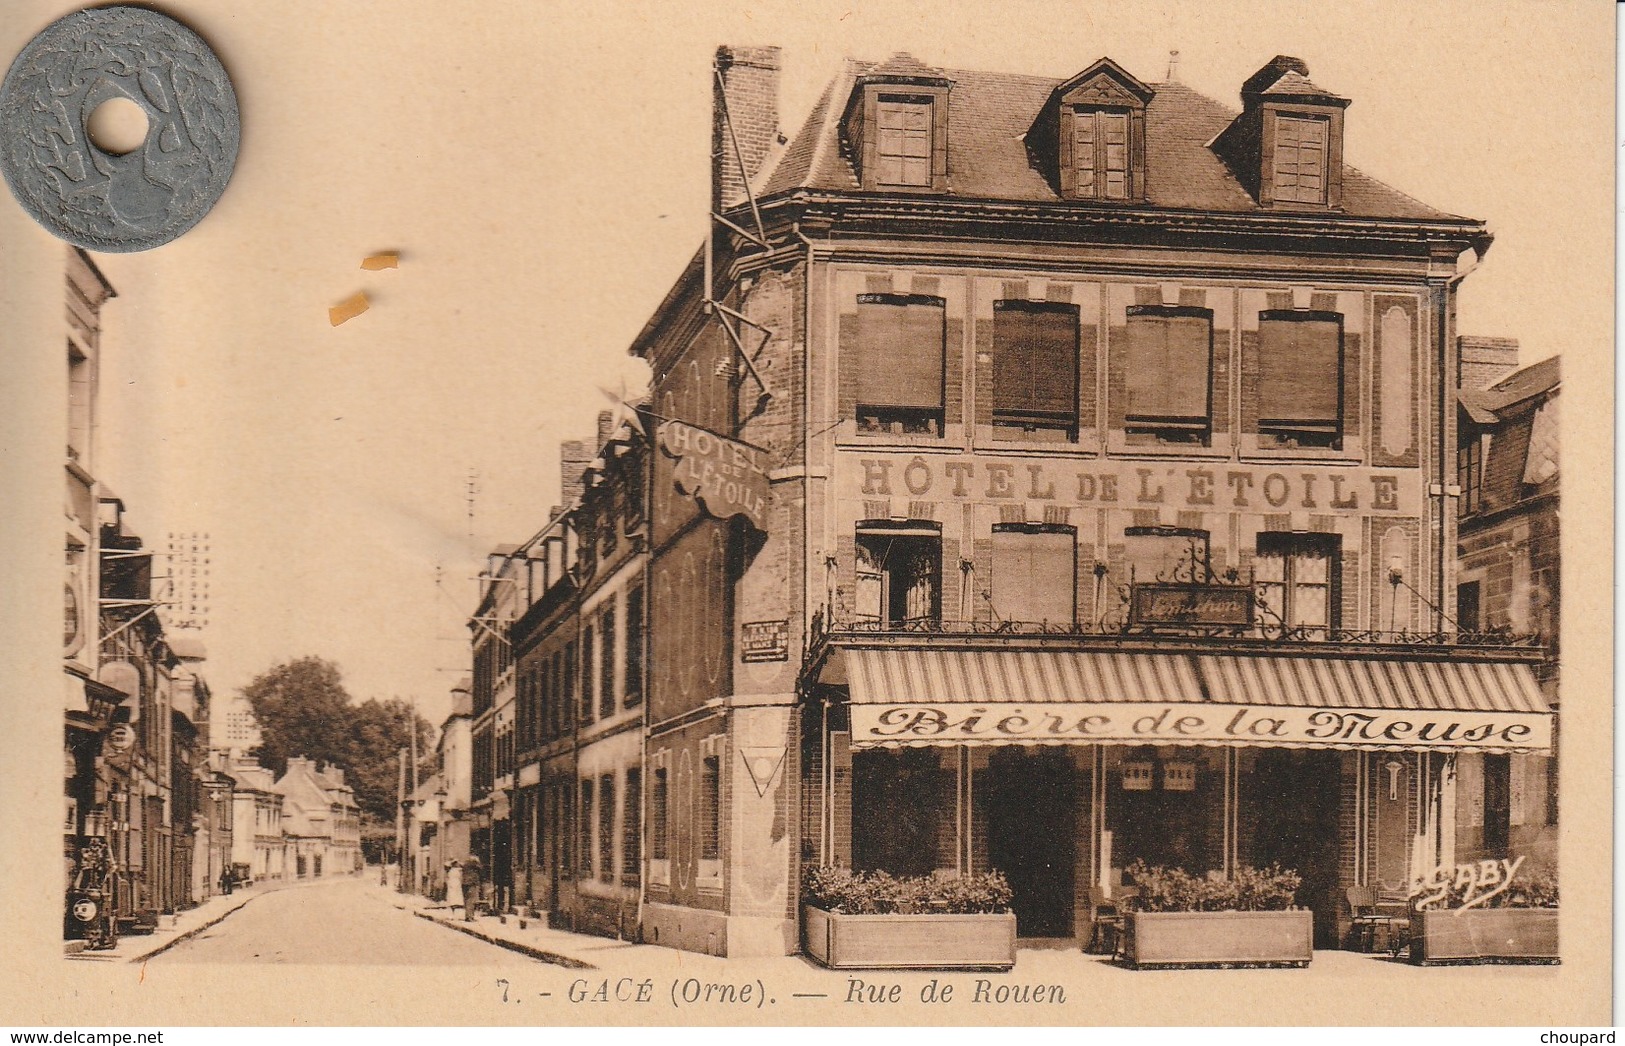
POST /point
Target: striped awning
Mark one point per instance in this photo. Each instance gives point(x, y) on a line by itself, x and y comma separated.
point(920, 696)
point(1043, 676)
point(1333, 682)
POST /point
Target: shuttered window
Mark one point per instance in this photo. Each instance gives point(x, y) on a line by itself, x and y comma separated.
point(1169, 363)
point(587, 694)
point(1300, 158)
point(585, 845)
point(1300, 368)
point(632, 828)
point(1100, 154)
point(657, 817)
point(606, 661)
point(1035, 364)
point(710, 825)
point(1034, 573)
point(903, 143)
point(633, 685)
point(606, 828)
point(899, 362)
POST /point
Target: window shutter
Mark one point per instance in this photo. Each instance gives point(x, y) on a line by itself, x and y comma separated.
point(1115, 133)
point(1169, 360)
point(1083, 152)
point(900, 349)
point(1299, 370)
point(1033, 575)
point(904, 143)
point(1035, 360)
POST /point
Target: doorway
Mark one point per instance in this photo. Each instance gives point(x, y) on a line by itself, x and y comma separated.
point(1030, 799)
point(1292, 797)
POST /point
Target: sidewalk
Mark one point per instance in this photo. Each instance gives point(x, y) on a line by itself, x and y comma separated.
point(1061, 961)
point(173, 929)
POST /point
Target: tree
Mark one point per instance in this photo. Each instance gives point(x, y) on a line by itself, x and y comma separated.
point(303, 710)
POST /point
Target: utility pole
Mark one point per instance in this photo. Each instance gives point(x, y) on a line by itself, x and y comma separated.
point(400, 826)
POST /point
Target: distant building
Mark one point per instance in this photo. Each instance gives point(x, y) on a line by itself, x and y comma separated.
point(259, 847)
point(1508, 580)
point(320, 820)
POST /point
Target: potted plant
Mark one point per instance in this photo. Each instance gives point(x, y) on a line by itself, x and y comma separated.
point(874, 920)
point(1178, 919)
point(1516, 925)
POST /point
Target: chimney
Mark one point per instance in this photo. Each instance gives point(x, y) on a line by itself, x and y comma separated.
point(1173, 67)
point(574, 457)
point(746, 89)
point(1265, 78)
point(1485, 361)
point(603, 430)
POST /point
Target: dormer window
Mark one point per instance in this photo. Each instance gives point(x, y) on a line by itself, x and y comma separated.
point(1286, 147)
point(1090, 135)
point(1299, 158)
point(903, 141)
point(895, 129)
point(1100, 153)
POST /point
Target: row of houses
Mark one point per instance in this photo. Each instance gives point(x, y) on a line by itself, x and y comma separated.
point(158, 804)
point(1039, 475)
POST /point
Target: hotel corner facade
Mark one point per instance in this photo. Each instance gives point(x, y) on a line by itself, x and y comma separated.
point(1037, 476)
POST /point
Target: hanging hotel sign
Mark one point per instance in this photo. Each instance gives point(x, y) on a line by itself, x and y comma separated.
point(727, 477)
point(1132, 484)
point(1139, 723)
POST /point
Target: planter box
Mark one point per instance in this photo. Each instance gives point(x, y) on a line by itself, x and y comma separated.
point(910, 942)
point(1171, 939)
point(1485, 935)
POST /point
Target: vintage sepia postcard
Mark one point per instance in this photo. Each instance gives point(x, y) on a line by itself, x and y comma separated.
point(813, 514)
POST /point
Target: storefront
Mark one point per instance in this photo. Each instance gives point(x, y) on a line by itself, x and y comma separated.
point(1061, 760)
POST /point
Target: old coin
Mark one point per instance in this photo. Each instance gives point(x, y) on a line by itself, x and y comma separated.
point(90, 197)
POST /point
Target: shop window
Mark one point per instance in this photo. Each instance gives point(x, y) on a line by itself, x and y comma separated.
point(1497, 803)
point(1300, 377)
point(633, 684)
point(1470, 475)
point(1100, 154)
point(584, 843)
point(606, 828)
point(1034, 573)
point(632, 828)
point(588, 648)
point(1295, 576)
point(1299, 158)
point(1168, 366)
point(899, 573)
point(607, 657)
point(899, 363)
point(903, 141)
point(1035, 369)
point(902, 807)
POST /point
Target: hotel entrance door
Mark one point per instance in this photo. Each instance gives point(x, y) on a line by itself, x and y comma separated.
point(1031, 803)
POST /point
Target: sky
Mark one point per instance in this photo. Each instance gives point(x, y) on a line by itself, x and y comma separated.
point(542, 168)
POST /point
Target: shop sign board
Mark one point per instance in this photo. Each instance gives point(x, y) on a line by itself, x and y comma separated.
point(964, 478)
point(764, 641)
point(1173, 723)
point(1175, 605)
point(728, 478)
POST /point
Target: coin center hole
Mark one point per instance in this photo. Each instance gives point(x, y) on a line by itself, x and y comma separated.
point(118, 126)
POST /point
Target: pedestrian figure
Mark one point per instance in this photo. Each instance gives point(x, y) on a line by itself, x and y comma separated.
point(454, 885)
point(473, 885)
point(227, 880)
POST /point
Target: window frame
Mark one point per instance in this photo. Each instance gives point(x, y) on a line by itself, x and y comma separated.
point(901, 102)
point(1470, 474)
point(608, 807)
point(912, 531)
point(1290, 433)
point(1067, 531)
point(1028, 423)
point(1168, 428)
point(1295, 546)
point(1292, 118)
point(632, 827)
point(874, 418)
